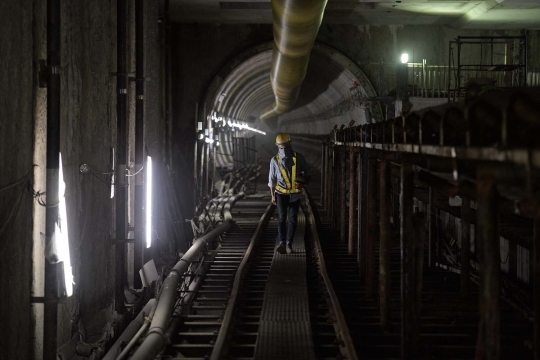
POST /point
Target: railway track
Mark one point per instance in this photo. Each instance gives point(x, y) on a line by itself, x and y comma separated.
point(448, 322)
point(220, 310)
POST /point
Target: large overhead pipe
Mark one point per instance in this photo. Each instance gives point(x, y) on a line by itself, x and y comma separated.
point(296, 23)
point(50, 340)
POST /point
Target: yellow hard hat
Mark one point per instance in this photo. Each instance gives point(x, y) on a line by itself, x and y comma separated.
point(283, 138)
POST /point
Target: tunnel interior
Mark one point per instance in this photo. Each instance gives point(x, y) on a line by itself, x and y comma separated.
point(135, 197)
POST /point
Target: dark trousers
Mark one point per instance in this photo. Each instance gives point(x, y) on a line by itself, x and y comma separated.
point(285, 207)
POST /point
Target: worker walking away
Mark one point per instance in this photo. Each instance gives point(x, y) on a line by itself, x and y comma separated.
point(288, 175)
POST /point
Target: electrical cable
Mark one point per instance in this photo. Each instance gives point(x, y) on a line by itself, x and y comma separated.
point(18, 182)
point(141, 169)
point(13, 215)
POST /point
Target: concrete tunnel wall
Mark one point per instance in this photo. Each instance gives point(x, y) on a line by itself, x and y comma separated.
point(88, 131)
point(200, 72)
point(375, 50)
point(88, 128)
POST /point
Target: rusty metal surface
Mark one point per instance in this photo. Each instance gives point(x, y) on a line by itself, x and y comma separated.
point(488, 346)
point(384, 252)
point(352, 200)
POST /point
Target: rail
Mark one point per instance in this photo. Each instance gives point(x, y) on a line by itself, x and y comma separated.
point(342, 330)
point(220, 346)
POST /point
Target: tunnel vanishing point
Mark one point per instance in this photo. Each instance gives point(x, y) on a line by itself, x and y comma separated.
point(135, 143)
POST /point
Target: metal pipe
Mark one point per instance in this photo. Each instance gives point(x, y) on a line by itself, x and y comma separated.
point(156, 339)
point(139, 139)
point(296, 23)
point(131, 330)
point(50, 340)
point(120, 179)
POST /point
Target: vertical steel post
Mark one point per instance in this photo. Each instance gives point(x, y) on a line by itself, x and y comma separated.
point(139, 140)
point(328, 183)
point(488, 345)
point(371, 237)
point(167, 25)
point(432, 226)
point(536, 284)
point(120, 179)
point(207, 170)
point(352, 199)
point(407, 273)
point(334, 181)
point(465, 246)
point(362, 211)
point(50, 326)
point(384, 262)
point(203, 152)
point(343, 196)
point(323, 171)
point(195, 156)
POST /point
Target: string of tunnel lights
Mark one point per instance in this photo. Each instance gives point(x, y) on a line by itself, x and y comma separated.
point(234, 123)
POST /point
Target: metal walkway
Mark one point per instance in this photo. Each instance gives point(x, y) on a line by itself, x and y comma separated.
point(285, 328)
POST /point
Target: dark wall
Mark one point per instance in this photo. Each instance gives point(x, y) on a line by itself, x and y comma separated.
point(88, 131)
point(16, 128)
point(199, 52)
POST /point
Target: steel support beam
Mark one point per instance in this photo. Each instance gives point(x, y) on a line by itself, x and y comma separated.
point(343, 196)
point(372, 229)
point(323, 173)
point(385, 234)
point(488, 345)
point(408, 328)
point(432, 226)
point(352, 200)
point(362, 215)
point(465, 246)
point(536, 283)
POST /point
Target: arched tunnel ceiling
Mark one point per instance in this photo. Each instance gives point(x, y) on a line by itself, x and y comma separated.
point(331, 93)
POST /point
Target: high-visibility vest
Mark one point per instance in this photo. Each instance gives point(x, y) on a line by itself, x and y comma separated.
point(291, 188)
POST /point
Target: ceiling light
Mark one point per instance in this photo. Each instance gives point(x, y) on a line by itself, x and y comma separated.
point(404, 58)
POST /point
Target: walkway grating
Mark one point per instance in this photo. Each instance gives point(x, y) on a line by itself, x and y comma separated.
point(285, 328)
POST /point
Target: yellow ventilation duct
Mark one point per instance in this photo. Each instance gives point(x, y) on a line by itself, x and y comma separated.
point(296, 23)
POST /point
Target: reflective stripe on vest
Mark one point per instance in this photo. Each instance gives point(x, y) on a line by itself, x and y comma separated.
point(291, 189)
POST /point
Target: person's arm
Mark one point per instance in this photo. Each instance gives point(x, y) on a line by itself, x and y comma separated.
point(272, 179)
point(303, 166)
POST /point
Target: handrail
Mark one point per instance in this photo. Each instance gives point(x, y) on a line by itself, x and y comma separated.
point(155, 340)
point(223, 335)
point(342, 330)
